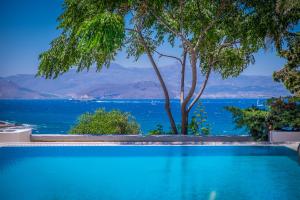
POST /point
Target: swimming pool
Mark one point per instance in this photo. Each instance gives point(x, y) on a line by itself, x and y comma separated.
point(149, 172)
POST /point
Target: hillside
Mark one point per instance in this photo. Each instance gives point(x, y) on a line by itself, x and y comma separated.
point(10, 90)
point(119, 82)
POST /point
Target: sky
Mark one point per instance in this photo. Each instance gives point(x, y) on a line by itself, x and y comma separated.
point(28, 26)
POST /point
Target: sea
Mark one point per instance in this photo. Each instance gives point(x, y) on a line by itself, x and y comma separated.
point(59, 116)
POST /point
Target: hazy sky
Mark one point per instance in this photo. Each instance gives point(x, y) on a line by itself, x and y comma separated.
point(28, 26)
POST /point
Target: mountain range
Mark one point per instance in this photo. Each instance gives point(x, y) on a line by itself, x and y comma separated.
point(118, 82)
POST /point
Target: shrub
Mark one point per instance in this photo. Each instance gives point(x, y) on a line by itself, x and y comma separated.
point(284, 113)
point(198, 124)
point(253, 119)
point(157, 131)
point(103, 122)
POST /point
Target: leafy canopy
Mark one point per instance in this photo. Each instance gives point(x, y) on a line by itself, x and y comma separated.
point(284, 113)
point(91, 33)
point(289, 75)
point(224, 33)
point(278, 22)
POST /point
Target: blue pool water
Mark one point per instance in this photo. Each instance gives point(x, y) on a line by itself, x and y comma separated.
point(149, 172)
point(58, 116)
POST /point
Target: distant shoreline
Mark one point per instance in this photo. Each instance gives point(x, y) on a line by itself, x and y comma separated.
point(157, 99)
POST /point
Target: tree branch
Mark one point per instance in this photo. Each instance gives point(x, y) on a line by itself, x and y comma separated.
point(168, 56)
point(190, 94)
point(162, 83)
point(208, 74)
point(201, 37)
point(201, 90)
point(179, 34)
point(182, 76)
point(211, 24)
point(227, 44)
point(181, 16)
point(160, 54)
point(130, 29)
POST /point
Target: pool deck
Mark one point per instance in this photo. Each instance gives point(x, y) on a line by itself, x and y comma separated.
point(23, 137)
point(293, 145)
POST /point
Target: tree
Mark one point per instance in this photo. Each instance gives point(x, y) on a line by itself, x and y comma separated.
point(218, 36)
point(279, 22)
point(289, 75)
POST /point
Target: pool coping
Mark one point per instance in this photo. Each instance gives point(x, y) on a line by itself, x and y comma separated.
point(291, 145)
point(137, 138)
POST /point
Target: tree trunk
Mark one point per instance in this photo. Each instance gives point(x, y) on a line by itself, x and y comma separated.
point(184, 111)
point(163, 85)
point(201, 90)
point(182, 83)
point(184, 121)
point(182, 77)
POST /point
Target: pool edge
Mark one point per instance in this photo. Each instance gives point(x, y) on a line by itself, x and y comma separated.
point(293, 146)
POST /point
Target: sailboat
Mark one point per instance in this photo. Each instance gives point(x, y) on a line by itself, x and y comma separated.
point(259, 104)
point(153, 103)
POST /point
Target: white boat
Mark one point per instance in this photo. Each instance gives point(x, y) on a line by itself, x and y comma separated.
point(153, 103)
point(259, 104)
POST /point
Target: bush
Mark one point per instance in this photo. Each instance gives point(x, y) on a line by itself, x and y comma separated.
point(253, 119)
point(157, 131)
point(199, 124)
point(102, 122)
point(282, 114)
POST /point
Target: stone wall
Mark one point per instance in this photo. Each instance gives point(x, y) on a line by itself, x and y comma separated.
point(15, 135)
point(135, 138)
point(284, 136)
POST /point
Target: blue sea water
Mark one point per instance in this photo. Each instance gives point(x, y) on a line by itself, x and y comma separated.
point(149, 172)
point(58, 116)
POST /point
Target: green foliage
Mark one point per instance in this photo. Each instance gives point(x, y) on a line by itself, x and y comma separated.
point(193, 126)
point(199, 124)
point(90, 35)
point(253, 119)
point(284, 113)
point(228, 32)
point(102, 122)
point(157, 131)
point(289, 75)
point(277, 22)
